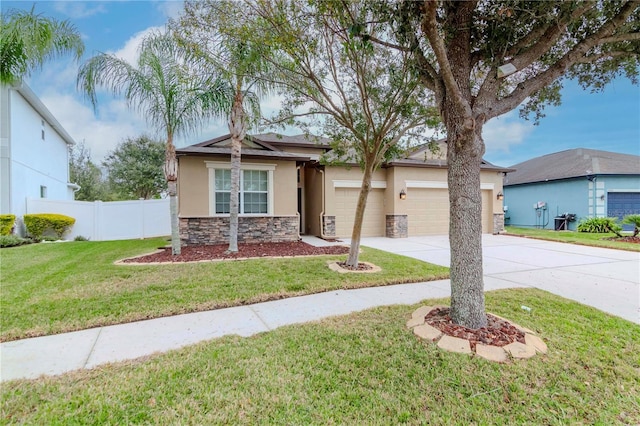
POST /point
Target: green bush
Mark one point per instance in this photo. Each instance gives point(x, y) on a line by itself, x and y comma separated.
point(80, 238)
point(38, 224)
point(13, 241)
point(633, 219)
point(599, 225)
point(6, 223)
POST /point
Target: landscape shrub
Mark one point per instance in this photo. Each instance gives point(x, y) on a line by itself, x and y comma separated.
point(13, 241)
point(6, 223)
point(600, 225)
point(80, 238)
point(633, 219)
point(38, 224)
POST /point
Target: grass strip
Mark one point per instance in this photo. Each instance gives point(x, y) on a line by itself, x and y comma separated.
point(61, 287)
point(364, 368)
point(573, 237)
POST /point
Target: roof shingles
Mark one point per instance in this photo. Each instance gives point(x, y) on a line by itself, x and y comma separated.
point(573, 163)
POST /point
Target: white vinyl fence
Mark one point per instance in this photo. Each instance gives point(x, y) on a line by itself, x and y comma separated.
point(113, 220)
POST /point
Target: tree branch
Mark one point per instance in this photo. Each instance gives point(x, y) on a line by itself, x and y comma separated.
point(430, 27)
point(544, 43)
point(576, 54)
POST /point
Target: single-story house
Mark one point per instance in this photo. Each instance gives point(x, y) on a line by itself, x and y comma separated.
point(286, 191)
point(582, 182)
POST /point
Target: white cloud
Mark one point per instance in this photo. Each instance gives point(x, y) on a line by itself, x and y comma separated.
point(506, 131)
point(78, 9)
point(100, 135)
point(129, 52)
point(171, 8)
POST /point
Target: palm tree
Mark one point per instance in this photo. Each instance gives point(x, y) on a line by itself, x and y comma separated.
point(167, 86)
point(244, 65)
point(28, 39)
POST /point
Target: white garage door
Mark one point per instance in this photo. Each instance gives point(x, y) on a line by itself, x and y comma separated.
point(373, 224)
point(428, 212)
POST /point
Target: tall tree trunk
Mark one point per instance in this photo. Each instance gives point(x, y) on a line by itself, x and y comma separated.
point(171, 173)
point(356, 234)
point(464, 156)
point(237, 128)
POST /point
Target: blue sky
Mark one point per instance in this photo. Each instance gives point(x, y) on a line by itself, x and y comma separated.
point(609, 121)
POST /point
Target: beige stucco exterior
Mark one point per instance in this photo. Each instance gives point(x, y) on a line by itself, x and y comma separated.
point(327, 195)
point(194, 187)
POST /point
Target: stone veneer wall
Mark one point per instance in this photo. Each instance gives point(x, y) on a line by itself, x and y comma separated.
point(329, 226)
point(215, 230)
point(498, 223)
point(397, 226)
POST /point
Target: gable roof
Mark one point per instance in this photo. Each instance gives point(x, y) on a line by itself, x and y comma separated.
point(35, 102)
point(573, 163)
point(253, 148)
point(268, 145)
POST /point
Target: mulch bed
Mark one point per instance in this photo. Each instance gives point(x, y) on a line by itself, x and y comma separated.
point(218, 252)
point(498, 332)
point(361, 266)
point(625, 239)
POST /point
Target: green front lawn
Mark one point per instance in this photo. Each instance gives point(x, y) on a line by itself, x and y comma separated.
point(364, 368)
point(60, 287)
point(584, 238)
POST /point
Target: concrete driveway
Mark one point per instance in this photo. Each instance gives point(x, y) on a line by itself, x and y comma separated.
point(603, 278)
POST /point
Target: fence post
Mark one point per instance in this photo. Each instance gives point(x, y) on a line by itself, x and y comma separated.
point(141, 210)
point(97, 217)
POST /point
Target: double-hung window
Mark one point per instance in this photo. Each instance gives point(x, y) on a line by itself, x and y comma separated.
point(256, 188)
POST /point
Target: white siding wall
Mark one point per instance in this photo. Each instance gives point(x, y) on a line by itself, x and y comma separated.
point(35, 162)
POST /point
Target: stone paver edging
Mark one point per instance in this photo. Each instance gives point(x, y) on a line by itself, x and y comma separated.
point(533, 344)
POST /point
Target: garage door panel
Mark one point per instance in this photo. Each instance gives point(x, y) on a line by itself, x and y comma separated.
point(621, 204)
point(373, 224)
point(428, 212)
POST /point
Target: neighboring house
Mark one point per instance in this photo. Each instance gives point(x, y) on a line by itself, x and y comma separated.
point(34, 152)
point(584, 182)
point(285, 192)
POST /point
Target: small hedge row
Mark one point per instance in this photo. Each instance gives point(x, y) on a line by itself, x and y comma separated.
point(38, 224)
point(6, 223)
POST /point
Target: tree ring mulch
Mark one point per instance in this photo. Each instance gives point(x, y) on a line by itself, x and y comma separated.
point(499, 341)
point(363, 268)
point(204, 253)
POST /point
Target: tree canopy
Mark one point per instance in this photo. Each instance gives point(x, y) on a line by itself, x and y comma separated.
point(28, 39)
point(134, 168)
point(364, 97)
point(84, 173)
point(483, 59)
point(167, 86)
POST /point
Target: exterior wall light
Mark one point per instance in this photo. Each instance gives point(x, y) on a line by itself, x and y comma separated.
point(500, 196)
point(403, 195)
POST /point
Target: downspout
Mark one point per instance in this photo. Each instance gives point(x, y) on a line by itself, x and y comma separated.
point(324, 237)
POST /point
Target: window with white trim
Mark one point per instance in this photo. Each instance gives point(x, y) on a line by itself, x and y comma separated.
point(256, 188)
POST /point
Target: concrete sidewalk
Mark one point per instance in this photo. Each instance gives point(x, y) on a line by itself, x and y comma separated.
point(606, 279)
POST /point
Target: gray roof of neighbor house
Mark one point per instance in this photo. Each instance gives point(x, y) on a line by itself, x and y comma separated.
point(572, 163)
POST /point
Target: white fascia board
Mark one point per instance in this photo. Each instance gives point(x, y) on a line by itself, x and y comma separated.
point(440, 184)
point(243, 166)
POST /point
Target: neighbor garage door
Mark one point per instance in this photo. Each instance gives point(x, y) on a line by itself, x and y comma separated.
point(429, 211)
point(621, 204)
point(373, 224)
